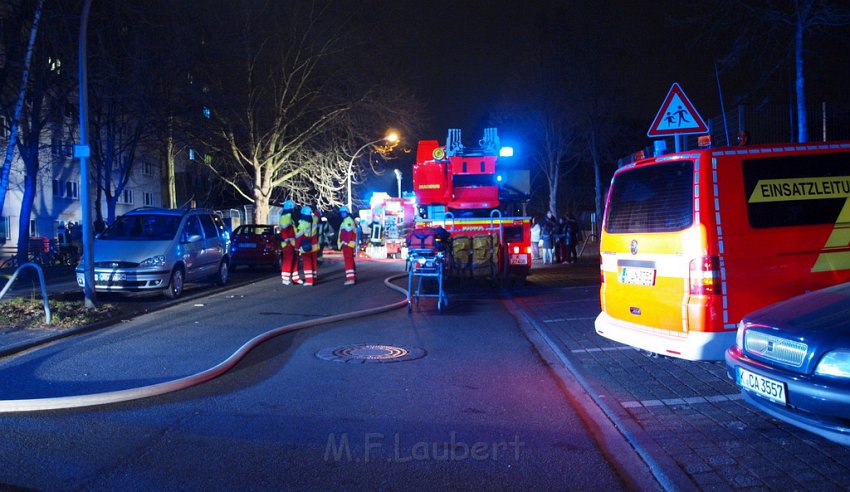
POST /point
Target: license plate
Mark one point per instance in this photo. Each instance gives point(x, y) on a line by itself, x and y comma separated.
point(247, 245)
point(765, 387)
point(637, 276)
point(107, 277)
point(519, 260)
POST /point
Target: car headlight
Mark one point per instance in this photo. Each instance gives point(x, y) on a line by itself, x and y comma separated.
point(739, 336)
point(835, 363)
point(153, 261)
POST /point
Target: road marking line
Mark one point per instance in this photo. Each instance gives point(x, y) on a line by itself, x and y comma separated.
point(681, 401)
point(600, 349)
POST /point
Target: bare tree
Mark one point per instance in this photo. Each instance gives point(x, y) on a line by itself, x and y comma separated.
point(284, 112)
point(545, 117)
point(120, 95)
point(769, 34)
point(806, 16)
point(44, 104)
point(16, 115)
point(268, 108)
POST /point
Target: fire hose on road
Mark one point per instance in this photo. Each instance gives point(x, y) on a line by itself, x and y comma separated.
point(80, 401)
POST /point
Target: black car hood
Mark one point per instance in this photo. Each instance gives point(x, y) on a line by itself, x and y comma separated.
point(823, 313)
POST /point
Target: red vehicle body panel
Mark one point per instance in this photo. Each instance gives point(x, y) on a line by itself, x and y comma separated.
point(255, 245)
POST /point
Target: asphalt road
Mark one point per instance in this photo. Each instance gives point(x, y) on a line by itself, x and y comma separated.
point(478, 410)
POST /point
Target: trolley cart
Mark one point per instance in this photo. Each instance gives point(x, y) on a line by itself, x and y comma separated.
point(426, 263)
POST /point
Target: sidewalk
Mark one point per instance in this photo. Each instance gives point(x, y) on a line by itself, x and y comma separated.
point(58, 278)
point(688, 415)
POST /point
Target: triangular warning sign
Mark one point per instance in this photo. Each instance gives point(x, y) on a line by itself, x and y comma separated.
point(677, 116)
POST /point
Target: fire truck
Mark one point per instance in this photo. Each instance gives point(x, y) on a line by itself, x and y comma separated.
point(388, 220)
point(457, 188)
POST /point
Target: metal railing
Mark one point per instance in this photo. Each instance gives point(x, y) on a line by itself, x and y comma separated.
point(41, 282)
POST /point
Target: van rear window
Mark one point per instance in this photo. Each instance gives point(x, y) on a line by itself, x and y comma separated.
point(657, 198)
point(796, 190)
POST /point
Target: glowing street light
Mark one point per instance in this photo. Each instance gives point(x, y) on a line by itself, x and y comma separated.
point(390, 137)
point(398, 178)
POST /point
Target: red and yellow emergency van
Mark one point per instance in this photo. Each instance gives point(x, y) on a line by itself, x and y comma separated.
point(692, 241)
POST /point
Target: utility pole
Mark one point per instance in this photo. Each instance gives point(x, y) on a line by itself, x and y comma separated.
point(83, 152)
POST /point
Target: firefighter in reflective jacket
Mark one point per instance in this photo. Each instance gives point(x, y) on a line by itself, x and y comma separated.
point(347, 243)
point(307, 240)
point(288, 249)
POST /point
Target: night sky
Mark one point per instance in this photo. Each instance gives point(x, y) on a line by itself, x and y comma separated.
point(458, 56)
point(459, 53)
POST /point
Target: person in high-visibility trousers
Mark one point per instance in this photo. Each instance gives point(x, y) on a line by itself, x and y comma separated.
point(307, 240)
point(347, 243)
point(288, 249)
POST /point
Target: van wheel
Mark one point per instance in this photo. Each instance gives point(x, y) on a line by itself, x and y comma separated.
point(223, 274)
point(175, 285)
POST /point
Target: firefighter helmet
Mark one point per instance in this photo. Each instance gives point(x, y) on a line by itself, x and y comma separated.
point(305, 210)
point(289, 205)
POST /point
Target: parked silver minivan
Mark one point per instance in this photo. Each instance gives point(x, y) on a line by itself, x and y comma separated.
point(159, 248)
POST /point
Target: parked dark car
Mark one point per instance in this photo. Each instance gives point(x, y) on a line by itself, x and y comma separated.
point(255, 245)
point(792, 361)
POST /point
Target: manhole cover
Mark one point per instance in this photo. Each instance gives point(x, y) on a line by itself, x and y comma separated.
point(370, 353)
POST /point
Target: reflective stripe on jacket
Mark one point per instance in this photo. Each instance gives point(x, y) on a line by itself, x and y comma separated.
point(287, 231)
point(307, 233)
point(347, 233)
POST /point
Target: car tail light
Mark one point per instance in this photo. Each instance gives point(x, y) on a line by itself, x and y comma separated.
point(516, 250)
point(705, 276)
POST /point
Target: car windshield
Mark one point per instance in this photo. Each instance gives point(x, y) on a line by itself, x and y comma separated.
point(152, 227)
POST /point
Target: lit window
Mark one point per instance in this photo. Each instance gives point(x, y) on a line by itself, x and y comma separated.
point(54, 64)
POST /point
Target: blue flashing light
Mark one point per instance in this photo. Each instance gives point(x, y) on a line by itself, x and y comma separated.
point(506, 152)
point(207, 112)
point(499, 177)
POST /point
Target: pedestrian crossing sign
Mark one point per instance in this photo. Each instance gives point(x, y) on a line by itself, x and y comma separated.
point(677, 116)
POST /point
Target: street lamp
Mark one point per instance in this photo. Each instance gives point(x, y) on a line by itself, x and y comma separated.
point(391, 137)
point(398, 178)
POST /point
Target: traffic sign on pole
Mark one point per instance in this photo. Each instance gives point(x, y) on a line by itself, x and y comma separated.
point(677, 116)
